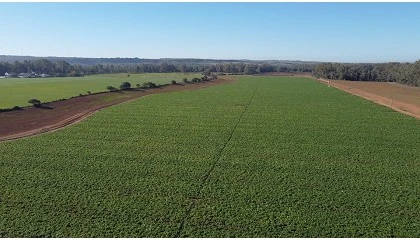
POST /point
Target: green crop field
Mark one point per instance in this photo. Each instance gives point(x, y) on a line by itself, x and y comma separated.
point(17, 91)
point(263, 157)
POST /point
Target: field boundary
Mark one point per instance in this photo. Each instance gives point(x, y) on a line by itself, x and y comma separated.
point(79, 115)
point(207, 174)
point(402, 107)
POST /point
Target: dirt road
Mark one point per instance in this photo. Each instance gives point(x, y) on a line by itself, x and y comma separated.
point(401, 98)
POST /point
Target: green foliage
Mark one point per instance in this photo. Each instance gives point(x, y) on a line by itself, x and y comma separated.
point(264, 157)
point(111, 88)
point(195, 80)
point(35, 102)
point(10, 109)
point(185, 80)
point(405, 73)
point(149, 85)
point(125, 86)
point(173, 82)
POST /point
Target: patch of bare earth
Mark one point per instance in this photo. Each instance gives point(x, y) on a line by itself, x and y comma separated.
point(55, 115)
point(401, 98)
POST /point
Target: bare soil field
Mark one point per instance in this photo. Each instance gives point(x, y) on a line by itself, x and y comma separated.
point(54, 115)
point(401, 98)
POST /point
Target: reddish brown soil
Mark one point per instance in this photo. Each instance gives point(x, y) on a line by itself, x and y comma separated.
point(401, 98)
point(55, 115)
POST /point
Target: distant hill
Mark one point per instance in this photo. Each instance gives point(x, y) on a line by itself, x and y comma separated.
point(135, 61)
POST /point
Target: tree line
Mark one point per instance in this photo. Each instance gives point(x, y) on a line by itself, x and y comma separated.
point(63, 69)
point(404, 73)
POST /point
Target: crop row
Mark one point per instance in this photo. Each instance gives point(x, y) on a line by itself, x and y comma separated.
point(264, 157)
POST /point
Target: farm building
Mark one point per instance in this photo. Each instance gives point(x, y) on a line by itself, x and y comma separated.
point(23, 75)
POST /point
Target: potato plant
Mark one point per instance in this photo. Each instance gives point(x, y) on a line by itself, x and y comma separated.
point(264, 157)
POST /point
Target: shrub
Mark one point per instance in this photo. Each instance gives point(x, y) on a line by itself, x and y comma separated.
point(138, 85)
point(89, 92)
point(149, 85)
point(196, 80)
point(10, 109)
point(173, 82)
point(185, 80)
point(34, 102)
point(111, 88)
point(125, 86)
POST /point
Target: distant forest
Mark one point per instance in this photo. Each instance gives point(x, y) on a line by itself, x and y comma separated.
point(405, 73)
point(61, 68)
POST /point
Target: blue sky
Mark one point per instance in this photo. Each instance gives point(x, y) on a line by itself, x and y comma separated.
point(341, 32)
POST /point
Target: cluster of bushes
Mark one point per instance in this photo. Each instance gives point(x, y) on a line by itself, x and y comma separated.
point(10, 109)
point(202, 79)
point(112, 89)
point(35, 102)
point(149, 85)
point(127, 86)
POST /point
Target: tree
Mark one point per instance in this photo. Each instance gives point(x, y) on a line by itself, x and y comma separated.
point(125, 86)
point(35, 102)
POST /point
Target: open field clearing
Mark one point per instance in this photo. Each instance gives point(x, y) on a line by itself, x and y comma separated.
point(263, 157)
point(402, 98)
point(17, 91)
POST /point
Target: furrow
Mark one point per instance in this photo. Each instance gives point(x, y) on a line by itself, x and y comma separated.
point(206, 176)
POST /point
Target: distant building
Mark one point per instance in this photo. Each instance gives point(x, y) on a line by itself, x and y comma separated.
point(10, 75)
point(23, 75)
point(33, 74)
point(44, 75)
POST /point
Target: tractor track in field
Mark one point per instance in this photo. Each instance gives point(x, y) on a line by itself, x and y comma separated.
point(206, 176)
point(56, 115)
